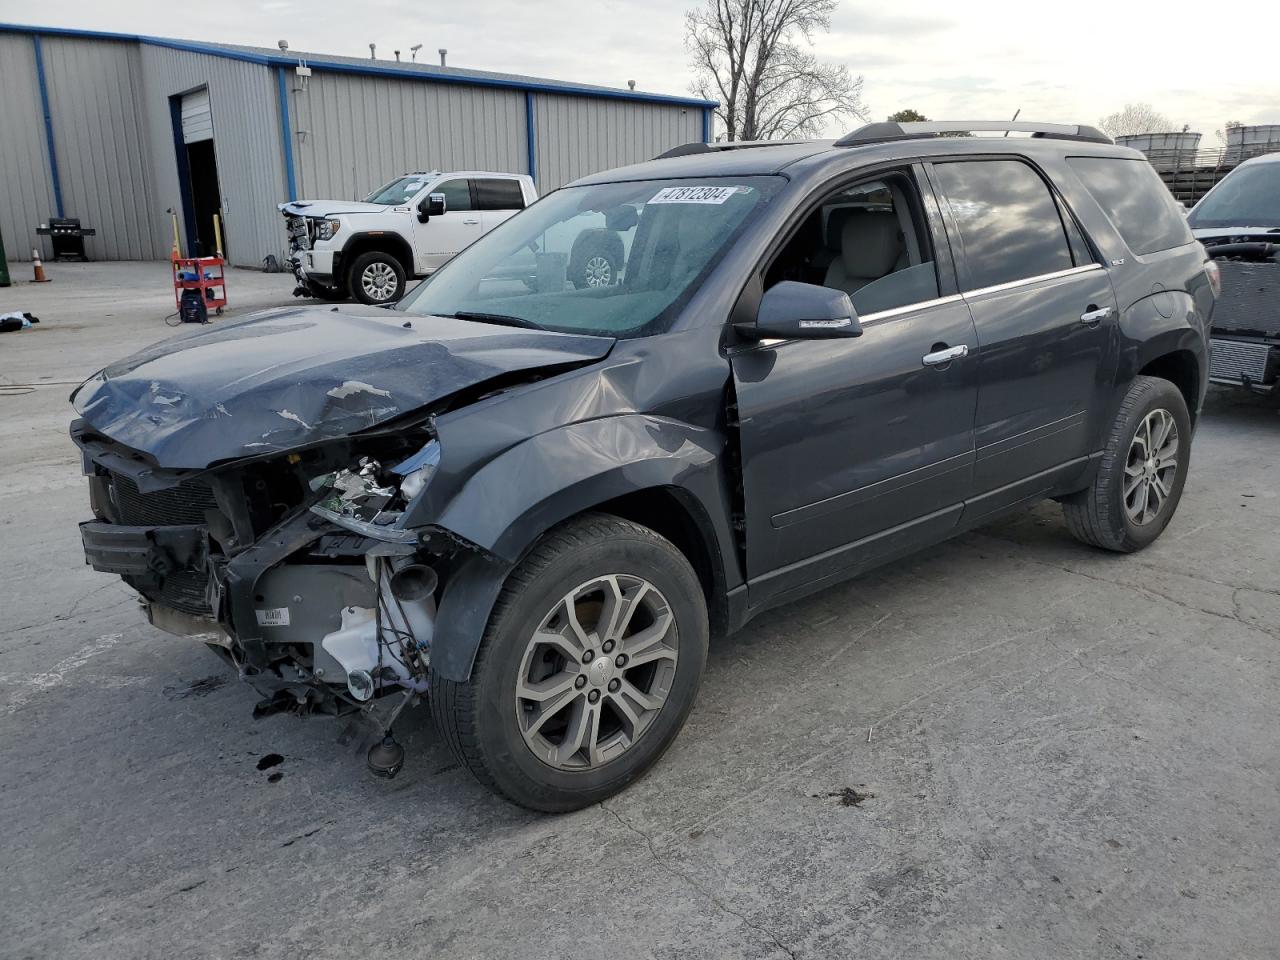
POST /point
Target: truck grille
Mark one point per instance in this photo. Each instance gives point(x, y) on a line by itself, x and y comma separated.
point(187, 503)
point(1250, 301)
point(1231, 361)
point(298, 235)
point(171, 507)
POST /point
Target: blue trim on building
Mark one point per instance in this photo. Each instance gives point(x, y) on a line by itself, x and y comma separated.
point(373, 69)
point(531, 136)
point(286, 135)
point(706, 125)
point(48, 125)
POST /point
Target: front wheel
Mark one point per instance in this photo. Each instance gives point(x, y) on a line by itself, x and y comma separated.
point(1142, 472)
point(376, 278)
point(586, 673)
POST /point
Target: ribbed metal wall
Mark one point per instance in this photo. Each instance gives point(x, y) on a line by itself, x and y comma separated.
point(95, 94)
point(579, 135)
point(353, 133)
point(26, 193)
point(113, 130)
point(246, 141)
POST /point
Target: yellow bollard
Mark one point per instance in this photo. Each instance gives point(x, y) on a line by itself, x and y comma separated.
point(176, 252)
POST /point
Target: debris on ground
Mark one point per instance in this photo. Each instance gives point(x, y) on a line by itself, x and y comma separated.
point(269, 761)
point(849, 797)
point(17, 320)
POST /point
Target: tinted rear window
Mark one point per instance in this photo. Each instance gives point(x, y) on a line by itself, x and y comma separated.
point(500, 195)
point(1136, 200)
point(1009, 224)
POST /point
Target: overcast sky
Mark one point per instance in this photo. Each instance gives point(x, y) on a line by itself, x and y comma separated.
point(1199, 64)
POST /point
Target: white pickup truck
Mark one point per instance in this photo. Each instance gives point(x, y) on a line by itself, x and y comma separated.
point(409, 228)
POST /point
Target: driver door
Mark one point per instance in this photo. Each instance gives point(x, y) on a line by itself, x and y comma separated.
point(857, 450)
point(439, 238)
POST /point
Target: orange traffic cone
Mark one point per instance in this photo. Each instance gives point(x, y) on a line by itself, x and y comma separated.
point(39, 268)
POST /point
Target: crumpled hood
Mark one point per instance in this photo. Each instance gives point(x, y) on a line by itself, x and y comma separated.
point(292, 377)
point(331, 208)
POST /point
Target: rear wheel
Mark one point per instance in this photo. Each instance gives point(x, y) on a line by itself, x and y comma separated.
point(1143, 469)
point(376, 278)
point(587, 671)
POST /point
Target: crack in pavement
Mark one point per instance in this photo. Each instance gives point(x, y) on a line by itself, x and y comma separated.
point(1148, 591)
point(653, 852)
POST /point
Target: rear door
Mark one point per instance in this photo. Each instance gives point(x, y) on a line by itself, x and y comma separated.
point(854, 450)
point(442, 236)
point(497, 199)
point(1045, 318)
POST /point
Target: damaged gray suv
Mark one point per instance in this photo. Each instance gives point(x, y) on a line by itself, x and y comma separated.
point(531, 505)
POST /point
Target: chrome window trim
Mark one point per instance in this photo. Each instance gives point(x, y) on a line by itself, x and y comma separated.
point(909, 308)
point(1013, 284)
point(942, 301)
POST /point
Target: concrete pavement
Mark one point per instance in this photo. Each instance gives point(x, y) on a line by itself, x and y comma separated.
point(1063, 753)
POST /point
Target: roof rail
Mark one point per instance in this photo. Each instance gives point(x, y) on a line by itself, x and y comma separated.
point(888, 131)
point(697, 146)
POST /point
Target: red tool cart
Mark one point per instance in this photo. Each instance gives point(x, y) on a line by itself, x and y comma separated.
point(205, 274)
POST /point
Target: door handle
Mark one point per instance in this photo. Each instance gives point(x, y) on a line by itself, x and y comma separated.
point(472, 222)
point(940, 358)
point(1095, 315)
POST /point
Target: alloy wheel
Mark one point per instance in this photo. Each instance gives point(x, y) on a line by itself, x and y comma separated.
point(1151, 467)
point(598, 271)
point(596, 672)
point(378, 280)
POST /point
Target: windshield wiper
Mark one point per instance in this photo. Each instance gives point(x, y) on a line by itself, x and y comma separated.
point(499, 318)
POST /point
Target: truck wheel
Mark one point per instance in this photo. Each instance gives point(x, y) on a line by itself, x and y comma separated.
point(1142, 472)
point(587, 670)
point(376, 278)
point(596, 259)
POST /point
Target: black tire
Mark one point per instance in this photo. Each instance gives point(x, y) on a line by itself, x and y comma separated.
point(1098, 515)
point(596, 259)
point(329, 294)
point(384, 264)
point(479, 719)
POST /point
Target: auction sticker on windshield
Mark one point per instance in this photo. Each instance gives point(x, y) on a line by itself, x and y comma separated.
point(695, 194)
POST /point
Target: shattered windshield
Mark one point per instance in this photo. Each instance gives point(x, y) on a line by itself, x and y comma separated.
point(1249, 197)
point(398, 191)
point(615, 259)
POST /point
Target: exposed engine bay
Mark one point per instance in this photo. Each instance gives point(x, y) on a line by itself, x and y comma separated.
point(293, 569)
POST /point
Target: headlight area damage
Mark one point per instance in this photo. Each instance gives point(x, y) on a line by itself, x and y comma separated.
point(252, 485)
point(295, 569)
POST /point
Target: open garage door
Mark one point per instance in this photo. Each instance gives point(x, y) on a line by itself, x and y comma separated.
point(199, 166)
point(197, 120)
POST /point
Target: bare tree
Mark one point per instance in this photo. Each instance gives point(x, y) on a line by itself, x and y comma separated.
point(1135, 118)
point(753, 57)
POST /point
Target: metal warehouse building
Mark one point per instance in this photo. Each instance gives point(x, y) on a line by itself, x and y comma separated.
point(116, 129)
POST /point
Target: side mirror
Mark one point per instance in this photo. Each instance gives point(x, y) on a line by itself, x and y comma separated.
point(433, 206)
point(803, 311)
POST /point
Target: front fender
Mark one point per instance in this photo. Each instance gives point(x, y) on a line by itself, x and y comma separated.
point(519, 495)
point(514, 498)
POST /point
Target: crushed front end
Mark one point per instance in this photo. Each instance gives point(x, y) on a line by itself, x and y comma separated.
point(294, 568)
point(1245, 344)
